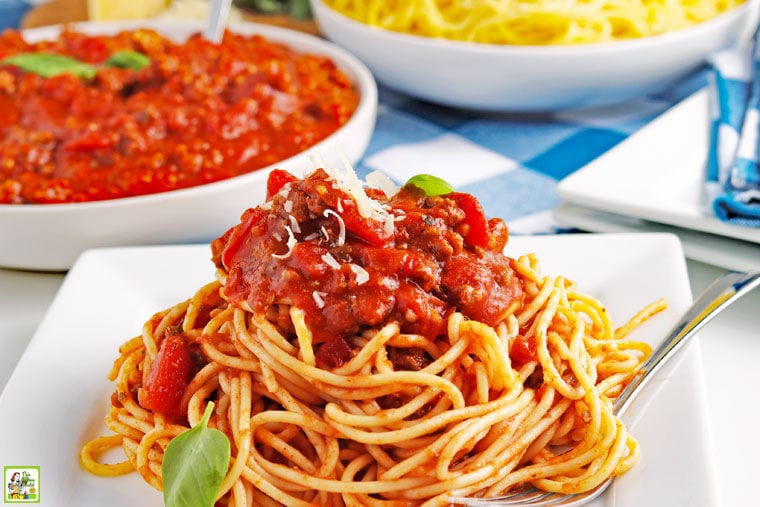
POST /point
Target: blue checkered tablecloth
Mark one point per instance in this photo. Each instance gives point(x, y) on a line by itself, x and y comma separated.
point(511, 163)
point(12, 12)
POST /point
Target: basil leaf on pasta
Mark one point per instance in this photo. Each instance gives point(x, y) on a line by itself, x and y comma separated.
point(431, 185)
point(195, 464)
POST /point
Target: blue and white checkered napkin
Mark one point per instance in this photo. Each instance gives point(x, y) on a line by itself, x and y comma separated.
point(511, 162)
point(732, 173)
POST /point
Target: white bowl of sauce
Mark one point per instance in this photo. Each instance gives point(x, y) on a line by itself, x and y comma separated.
point(49, 235)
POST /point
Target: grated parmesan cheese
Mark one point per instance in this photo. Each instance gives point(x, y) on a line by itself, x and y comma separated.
point(341, 225)
point(294, 224)
point(291, 243)
point(330, 261)
point(319, 298)
point(362, 276)
point(347, 181)
point(379, 180)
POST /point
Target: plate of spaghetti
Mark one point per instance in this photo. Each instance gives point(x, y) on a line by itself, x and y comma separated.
point(135, 133)
point(533, 56)
point(354, 344)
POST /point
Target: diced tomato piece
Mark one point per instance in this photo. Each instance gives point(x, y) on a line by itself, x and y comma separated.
point(475, 219)
point(89, 141)
point(371, 231)
point(169, 376)
point(333, 353)
point(523, 351)
point(376, 194)
point(232, 242)
point(278, 178)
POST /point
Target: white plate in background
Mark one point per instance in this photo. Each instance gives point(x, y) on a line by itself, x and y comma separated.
point(656, 174)
point(712, 249)
point(58, 395)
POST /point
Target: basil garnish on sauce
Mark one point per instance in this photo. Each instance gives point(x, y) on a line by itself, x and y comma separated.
point(431, 185)
point(52, 64)
point(195, 464)
point(128, 59)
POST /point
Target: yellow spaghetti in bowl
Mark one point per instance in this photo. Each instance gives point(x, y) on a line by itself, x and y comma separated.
point(533, 22)
point(363, 346)
point(469, 56)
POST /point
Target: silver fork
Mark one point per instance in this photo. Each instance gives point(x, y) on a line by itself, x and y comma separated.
point(721, 293)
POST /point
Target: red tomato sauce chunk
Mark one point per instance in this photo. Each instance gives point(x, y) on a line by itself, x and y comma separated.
point(198, 113)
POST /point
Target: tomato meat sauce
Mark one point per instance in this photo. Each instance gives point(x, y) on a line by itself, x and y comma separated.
point(197, 113)
point(414, 262)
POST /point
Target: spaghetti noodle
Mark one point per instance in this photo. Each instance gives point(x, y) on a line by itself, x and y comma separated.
point(533, 22)
point(366, 350)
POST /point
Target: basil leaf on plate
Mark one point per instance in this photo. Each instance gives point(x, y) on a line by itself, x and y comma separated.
point(195, 464)
point(128, 59)
point(51, 64)
point(431, 185)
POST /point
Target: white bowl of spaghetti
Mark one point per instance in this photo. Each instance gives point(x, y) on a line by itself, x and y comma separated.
point(542, 61)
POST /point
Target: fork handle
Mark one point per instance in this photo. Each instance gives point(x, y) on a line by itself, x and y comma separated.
point(218, 12)
point(725, 290)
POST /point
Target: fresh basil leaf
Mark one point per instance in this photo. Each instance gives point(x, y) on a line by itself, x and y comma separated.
point(128, 59)
point(431, 185)
point(195, 464)
point(50, 64)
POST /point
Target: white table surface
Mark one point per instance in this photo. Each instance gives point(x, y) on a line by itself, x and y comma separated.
point(730, 348)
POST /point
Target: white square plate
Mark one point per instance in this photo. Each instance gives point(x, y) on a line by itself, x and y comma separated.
point(58, 395)
point(657, 174)
point(714, 249)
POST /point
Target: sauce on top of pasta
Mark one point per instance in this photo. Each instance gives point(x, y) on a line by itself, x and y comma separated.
point(310, 246)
